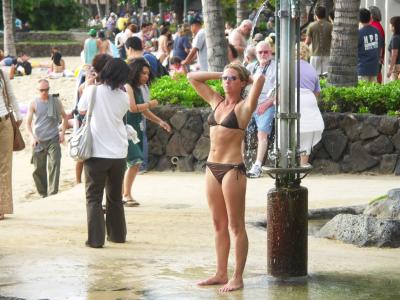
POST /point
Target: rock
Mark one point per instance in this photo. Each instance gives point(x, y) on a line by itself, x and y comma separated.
point(396, 141)
point(335, 143)
point(388, 125)
point(330, 121)
point(330, 212)
point(202, 148)
point(368, 131)
point(175, 146)
point(155, 146)
point(388, 163)
point(179, 119)
point(359, 160)
point(152, 162)
point(189, 139)
point(163, 136)
point(397, 168)
point(386, 208)
point(325, 166)
point(362, 230)
point(206, 129)
point(151, 129)
point(319, 152)
point(185, 164)
point(373, 120)
point(164, 164)
point(380, 145)
point(195, 124)
point(351, 127)
point(200, 166)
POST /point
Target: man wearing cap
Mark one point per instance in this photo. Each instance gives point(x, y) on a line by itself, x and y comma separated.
point(199, 45)
point(238, 37)
point(90, 48)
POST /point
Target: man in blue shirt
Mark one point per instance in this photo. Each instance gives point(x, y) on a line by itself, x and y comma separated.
point(370, 47)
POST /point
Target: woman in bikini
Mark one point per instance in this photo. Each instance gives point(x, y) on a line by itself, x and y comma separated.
point(225, 172)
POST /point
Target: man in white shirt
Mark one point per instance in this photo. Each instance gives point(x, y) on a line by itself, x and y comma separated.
point(199, 45)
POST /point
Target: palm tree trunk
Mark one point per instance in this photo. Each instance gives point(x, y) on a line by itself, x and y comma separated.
point(215, 35)
point(241, 11)
point(107, 8)
point(99, 9)
point(342, 69)
point(9, 43)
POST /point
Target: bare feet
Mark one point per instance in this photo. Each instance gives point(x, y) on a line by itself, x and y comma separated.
point(233, 285)
point(216, 279)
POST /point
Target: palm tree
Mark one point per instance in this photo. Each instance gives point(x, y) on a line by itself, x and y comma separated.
point(9, 43)
point(99, 9)
point(241, 11)
point(215, 35)
point(342, 69)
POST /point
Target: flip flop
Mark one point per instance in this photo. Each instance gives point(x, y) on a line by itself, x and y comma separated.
point(130, 202)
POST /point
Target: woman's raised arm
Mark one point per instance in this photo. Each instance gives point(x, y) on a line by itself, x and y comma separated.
point(198, 81)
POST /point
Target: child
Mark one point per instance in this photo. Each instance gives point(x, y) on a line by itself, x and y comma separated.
point(176, 67)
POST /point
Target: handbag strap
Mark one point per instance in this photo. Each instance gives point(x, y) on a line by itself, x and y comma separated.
point(91, 104)
point(5, 92)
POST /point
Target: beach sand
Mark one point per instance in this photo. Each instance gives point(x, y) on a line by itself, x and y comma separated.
point(170, 243)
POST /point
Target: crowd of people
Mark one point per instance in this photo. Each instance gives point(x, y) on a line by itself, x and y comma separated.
point(120, 62)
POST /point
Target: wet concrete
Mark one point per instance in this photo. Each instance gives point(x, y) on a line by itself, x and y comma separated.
point(170, 247)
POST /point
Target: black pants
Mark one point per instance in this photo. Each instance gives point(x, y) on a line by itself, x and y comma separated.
point(109, 174)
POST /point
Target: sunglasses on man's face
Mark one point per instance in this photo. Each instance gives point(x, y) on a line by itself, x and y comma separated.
point(264, 52)
point(43, 90)
point(229, 78)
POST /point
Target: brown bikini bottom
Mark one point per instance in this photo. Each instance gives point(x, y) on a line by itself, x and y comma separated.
point(219, 170)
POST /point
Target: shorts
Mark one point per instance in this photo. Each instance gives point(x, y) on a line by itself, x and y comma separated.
point(264, 121)
point(320, 64)
point(309, 140)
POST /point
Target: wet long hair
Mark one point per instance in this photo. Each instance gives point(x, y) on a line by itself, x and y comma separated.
point(57, 58)
point(136, 67)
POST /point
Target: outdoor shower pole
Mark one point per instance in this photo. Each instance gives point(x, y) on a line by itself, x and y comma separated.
point(287, 204)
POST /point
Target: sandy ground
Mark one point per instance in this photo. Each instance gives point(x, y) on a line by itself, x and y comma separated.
point(170, 242)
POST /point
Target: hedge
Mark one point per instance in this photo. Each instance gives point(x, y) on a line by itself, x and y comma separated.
point(367, 97)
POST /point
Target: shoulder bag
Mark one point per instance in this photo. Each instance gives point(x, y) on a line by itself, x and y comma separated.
point(81, 143)
point(18, 143)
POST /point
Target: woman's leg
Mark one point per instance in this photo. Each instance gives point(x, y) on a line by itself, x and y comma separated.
point(129, 178)
point(234, 192)
point(78, 171)
point(217, 207)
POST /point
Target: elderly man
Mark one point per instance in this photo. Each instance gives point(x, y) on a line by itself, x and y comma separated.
point(48, 112)
point(265, 110)
point(238, 37)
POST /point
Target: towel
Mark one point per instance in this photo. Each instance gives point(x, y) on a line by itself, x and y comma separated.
point(54, 108)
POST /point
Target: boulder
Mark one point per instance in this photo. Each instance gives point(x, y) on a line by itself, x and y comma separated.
point(388, 163)
point(155, 146)
point(164, 164)
point(185, 164)
point(396, 141)
point(362, 230)
point(325, 166)
point(388, 125)
point(195, 124)
point(358, 160)
point(368, 131)
point(175, 146)
point(386, 208)
point(202, 148)
point(335, 143)
point(189, 139)
point(380, 145)
point(179, 119)
point(330, 121)
point(351, 127)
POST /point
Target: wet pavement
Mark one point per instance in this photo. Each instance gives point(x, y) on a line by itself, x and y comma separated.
point(170, 246)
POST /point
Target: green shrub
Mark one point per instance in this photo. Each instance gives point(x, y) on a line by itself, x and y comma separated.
point(179, 91)
point(367, 97)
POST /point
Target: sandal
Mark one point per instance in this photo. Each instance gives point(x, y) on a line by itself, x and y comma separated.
point(128, 202)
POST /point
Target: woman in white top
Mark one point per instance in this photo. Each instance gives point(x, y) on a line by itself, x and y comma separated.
point(110, 144)
point(6, 144)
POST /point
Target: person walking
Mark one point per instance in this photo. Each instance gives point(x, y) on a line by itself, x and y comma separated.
point(90, 48)
point(394, 46)
point(138, 79)
point(7, 101)
point(105, 169)
point(225, 172)
point(47, 112)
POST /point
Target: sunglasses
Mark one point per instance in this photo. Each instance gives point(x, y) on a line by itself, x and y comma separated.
point(264, 52)
point(229, 78)
point(43, 90)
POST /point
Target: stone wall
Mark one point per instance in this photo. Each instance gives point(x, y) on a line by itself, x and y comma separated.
point(351, 143)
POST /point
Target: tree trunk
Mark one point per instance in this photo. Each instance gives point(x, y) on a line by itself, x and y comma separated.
point(99, 9)
point(241, 11)
point(342, 69)
point(328, 4)
point(107, 8)
point(179, 11)
point(9, 43)
point(215, 35)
